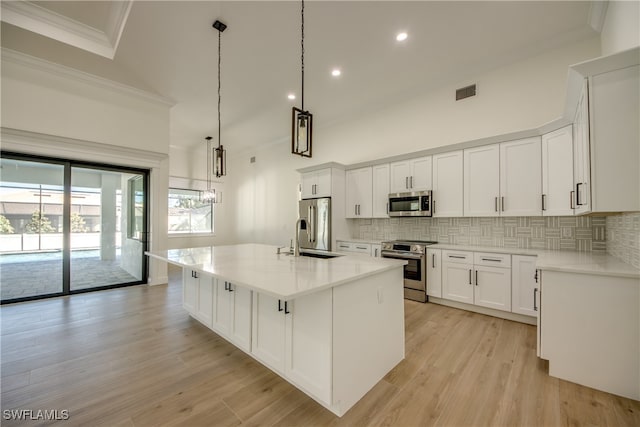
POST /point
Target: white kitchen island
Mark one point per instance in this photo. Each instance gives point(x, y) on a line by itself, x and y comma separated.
point(331, 327)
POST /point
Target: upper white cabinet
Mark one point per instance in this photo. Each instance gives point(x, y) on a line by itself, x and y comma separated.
point(316, 184)
point(482, 180)
point(614, 108)
point(411, 175)
point(557, 172)
point(447, 184)
point(581, 163)
point(359, 193)
point(520, 178)
point(380, 208)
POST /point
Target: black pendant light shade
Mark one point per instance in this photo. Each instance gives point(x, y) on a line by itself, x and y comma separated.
point(301, 119)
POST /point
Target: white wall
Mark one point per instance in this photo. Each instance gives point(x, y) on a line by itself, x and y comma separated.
point(59, 112)
point(621, 29)
point(516, 97)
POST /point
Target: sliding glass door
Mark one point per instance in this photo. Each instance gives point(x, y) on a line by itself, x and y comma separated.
point(69, 227)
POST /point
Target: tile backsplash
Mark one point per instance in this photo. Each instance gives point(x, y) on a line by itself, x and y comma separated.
point(623, 237)
point(570, 233)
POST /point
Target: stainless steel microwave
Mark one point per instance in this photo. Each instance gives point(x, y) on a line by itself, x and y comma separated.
point(415, 203)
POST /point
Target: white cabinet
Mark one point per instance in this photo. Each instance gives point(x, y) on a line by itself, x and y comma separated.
point(376, 250)
point(447, 184)
point(481, 279)
point(357, 247)
point(316, 184)
point(581, 163)
point(482, 180)
point(524, 289)
point(359, 193)
point(557, 172)
point(614, 108)
point(380, 202)
point(190, 287)
point(294, 339)
point(434, 273)
point(232, 313)
point(204, 304)
point(520, 178)
point(410, 175)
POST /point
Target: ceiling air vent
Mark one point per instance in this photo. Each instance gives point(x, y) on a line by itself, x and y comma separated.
point(465, 92)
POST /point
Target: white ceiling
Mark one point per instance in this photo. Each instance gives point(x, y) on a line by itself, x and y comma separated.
point(170, 48)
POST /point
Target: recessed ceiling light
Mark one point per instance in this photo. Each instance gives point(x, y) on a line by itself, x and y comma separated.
point(401, 37)
point(336, 72)
point(291, 96)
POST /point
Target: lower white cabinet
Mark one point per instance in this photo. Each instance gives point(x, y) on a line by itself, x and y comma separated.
point(434, 273)
point(204, 304)
point(294, 339)
point(481, 279)
point(190, 284)
point(376, 250)
point(524, 287)
point(232, 313)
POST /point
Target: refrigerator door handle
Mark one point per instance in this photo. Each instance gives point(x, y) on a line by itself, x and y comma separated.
point(309, 224)
point(312, 224)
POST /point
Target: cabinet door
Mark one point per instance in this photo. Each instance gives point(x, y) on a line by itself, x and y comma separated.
point(323, 183)
point(365, 193)
point(221, 308)
point(557, 172)
point(457, 282)
point(581, 158)
point(420, 178)
point(189, 290)
point(380, 197)
point(434, 273)
point(400, 172)
point(523, 285)
point(344, 246)
point(240, 322)
point(351, 194)
point(482, 181)
point(308, 343)
point(268, 331)
point(205, 300)
point(521, 178)
point(447, 184)
point(375, 250)
point(308, 185)
point(492, 287)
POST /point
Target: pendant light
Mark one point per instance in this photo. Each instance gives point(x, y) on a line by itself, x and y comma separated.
point(209, 194)
point(301, 119)
point(220, 154)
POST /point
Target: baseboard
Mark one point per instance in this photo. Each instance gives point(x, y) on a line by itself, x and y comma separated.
point(488, 311)
point(153, 281)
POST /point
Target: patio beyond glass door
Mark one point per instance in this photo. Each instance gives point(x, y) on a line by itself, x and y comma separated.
point(69, 227)
point(104, 204)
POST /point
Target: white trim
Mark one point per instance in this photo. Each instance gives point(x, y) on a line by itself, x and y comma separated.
point(28, 61)
point(40, 20)
point(162, 280)
point(26, 142)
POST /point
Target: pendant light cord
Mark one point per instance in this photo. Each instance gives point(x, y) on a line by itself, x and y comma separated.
point(302, 55)
point(219, 97)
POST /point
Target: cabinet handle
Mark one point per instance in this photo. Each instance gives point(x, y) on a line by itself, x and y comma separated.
point(387, 208)
point(544, 208)
point(433, 207)
point(226, 286)
point(192, 273)
point(578, 194)
point(476, 277)
point(457, 256)
point(411, 182)
point(230, 287)
point(375, 251)
point(406, 182)
point(535, 291)
point(279, 305)
point(491, 259)
point(355, 209)
point(286, 310)
point(535, 276)
point(433, 260)
point(496, 203)
point(571, 194)
point(502, 199)
point(470, 277)
point(361, 247)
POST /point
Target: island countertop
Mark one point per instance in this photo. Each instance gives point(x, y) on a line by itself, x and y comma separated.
point(260, 268)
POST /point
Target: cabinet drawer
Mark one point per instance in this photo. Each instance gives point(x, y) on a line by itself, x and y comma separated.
point(492, 260)
point(344, 246)
point(459, 257)
point(363, 248)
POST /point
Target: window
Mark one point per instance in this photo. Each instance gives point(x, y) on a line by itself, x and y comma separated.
point(188, 213)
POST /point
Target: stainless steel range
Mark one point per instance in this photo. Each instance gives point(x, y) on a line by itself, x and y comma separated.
point(415, 272)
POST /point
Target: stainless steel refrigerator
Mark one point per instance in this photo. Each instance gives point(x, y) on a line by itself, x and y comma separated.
point(315, 230)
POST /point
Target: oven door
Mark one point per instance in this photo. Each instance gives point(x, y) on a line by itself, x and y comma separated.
point(414, 271)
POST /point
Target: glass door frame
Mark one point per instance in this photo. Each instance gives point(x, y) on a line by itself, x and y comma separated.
point(66, 220)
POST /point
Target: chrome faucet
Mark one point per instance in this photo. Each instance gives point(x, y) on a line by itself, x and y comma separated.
point(296, 248)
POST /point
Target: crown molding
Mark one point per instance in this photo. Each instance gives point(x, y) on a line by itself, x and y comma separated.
point(34, 143)
point(14, 57)
point(27, 15)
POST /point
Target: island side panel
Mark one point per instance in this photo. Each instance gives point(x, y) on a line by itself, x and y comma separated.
point(368, 335)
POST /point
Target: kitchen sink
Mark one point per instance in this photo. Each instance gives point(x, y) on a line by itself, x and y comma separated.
point(320, 255)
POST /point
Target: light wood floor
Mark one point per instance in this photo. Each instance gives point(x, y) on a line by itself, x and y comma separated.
point(132, 357)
